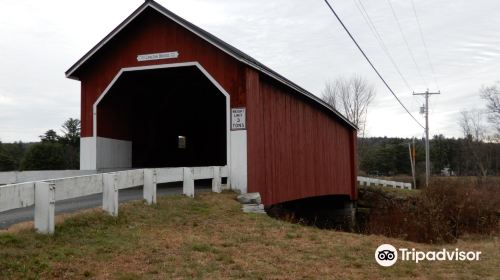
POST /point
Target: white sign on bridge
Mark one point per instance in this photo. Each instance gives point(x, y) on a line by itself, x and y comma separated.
point(157, 56)
point(238, 119)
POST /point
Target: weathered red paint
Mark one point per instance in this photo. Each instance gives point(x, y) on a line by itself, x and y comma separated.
point(295, 147)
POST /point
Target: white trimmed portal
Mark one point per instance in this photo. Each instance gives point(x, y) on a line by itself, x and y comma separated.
point(99, 153)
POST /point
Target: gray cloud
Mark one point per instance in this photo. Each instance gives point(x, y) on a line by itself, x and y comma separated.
point(299, 39)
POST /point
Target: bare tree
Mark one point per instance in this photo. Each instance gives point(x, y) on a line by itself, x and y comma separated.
point(351, 97)
point(472, 125)
point(492, 96)
point(474, 131)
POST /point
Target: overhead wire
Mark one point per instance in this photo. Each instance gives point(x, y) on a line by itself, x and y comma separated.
point(406, 43)
point(378, 37)
point(424, 44)
point(371, 64)
point(373, 28)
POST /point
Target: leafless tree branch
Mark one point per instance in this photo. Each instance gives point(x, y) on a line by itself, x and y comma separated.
point(351, 97)
point(492, 96)
point(474, 131)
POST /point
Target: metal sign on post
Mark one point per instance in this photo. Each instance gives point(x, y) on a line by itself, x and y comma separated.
point(238, 119)
point(157, 56)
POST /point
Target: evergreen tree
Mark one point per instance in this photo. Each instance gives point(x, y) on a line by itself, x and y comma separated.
point(44, 156)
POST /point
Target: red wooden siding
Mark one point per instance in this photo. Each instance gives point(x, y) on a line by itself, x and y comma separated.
point(152, 32)
point(295, 149)
point(354, 164)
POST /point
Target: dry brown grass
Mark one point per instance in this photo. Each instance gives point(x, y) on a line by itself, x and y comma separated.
point(60, 218)
point(210, 238)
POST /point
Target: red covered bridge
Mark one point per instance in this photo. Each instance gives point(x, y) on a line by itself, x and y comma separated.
point(160, 92)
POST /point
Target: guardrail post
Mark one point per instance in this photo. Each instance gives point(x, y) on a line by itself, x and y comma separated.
point(369, 181)
point(150, 185)
point(216, 180)
point(110, 194)
point(45, 199)
point(188, 183)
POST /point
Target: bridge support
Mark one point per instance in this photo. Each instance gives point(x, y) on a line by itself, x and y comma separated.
point(348, 214)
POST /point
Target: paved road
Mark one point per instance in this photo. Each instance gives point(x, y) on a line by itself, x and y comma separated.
point(15, 216)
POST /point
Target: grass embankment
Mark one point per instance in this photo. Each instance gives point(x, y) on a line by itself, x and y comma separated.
point(210, 238)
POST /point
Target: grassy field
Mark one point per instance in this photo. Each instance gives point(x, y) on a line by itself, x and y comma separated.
point(210, 238)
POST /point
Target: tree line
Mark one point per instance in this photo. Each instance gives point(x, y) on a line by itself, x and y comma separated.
point(53, 152)
point(385, 156)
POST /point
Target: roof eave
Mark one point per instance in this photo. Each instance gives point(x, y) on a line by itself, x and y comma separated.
point(230, 50)
point(69, 73)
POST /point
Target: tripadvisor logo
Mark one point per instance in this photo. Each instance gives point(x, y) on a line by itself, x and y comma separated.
point(387, 255)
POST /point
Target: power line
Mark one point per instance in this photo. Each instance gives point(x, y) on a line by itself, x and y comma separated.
point(373, 28)
point(371, 64)
point(423, 42)
point(406, 42)
point(378, 37)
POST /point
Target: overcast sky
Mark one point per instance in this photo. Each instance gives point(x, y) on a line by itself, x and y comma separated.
point(301, 40)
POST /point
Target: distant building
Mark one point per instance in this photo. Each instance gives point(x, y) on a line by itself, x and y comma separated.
point(447, 172)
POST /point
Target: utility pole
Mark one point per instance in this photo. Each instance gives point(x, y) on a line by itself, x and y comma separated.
point(426, 112)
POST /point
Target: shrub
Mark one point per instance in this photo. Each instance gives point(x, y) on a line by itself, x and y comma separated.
point(462, 209)
point(440, 213)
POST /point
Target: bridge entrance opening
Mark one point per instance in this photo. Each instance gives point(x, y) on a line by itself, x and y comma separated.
point(165, 117)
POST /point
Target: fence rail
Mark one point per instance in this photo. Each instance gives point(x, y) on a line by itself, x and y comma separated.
point(45, 193)
point(16, 177)
point(386, 183)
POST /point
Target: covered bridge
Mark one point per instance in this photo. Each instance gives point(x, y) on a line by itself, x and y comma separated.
point(159, 91)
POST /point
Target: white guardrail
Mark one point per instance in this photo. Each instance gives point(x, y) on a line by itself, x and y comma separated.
point(16, 177)
point(44, 194)
point(379, 182)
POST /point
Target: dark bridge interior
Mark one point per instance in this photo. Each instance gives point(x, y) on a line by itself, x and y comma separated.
point(173, 116)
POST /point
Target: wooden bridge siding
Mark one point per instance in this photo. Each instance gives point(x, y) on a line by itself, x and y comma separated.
point(295, 149)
